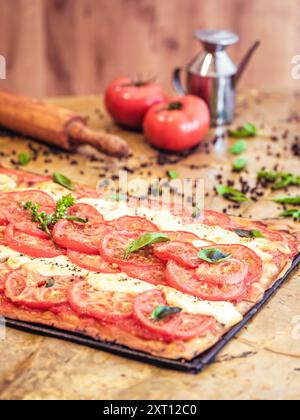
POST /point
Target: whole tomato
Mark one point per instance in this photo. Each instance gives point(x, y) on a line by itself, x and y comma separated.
point(179, 124)
point(128, 101)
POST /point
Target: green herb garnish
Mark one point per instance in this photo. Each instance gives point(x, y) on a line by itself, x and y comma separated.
point(50, 283)
point(46, 221)
point(288, 200)
point(173, 174)
point(247, 130)
point(24, 159)
point(144, 241)
point(239, 147)
point(162, 312)
point(279, 180)
point(232, 194)
point(294, 213)
point(63, 181)
point(213, 255)
point(117, 197)
point(239, 165)
point(251, 234)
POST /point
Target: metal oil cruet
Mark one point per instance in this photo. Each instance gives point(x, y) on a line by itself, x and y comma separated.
point(213, 76)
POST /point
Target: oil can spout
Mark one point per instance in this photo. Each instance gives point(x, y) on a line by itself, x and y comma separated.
point(245, 62)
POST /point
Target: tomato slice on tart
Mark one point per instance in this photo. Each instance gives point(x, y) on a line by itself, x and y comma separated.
point(214, 218)
point(30, 245)
point(85, 211)
point(81, 237)
point(183, 253)
point(228, 273)
point(101, 305)
point(154, 274)
point(91, 262)
point(2, 235)
point(134, 327)
point(185, 280)
point(4, 271)
point(114, 245)
point(35, 291)
point(132, 224)
point(181, 236)
point(179, 326)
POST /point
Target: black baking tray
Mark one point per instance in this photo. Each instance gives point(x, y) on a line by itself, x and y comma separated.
point(193, 366)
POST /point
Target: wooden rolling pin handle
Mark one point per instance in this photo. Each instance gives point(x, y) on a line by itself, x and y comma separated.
point(106, 143)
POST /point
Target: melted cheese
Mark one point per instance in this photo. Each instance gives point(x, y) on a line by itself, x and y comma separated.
point(7, 182)
point(118, 283)
point(56, 191)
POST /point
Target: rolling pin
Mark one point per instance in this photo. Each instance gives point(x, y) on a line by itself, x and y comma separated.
point(54, 125)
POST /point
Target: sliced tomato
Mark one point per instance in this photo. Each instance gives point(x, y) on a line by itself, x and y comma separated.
point(30, 245)
point(181, 236)
point(114, 245)
point(185, 280)
point(229, 272)
point(104, 306)
point(92, 262)
point(134, 327)
point(81, 237)
point(4, 271)
point(132, 224)
point(183, 253)
point(154, 274)
point(180, 326)
point(85, 211)
point(31, 179)
point(2, 235)
point(214, 218)
point(35, 291)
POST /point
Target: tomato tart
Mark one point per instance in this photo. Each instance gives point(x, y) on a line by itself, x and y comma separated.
point(147, 279)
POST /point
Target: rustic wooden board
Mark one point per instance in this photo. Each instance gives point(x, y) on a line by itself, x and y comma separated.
point(262, 362)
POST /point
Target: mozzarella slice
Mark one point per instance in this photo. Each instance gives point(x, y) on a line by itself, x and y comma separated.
point(119, 282)
point(7, 182)
point(6, 253)
point(56, 191)
point(223, 312)
point(59, 266)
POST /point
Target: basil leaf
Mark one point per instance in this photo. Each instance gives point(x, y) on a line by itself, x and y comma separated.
point(247, 130)
point(288, 200)
point(279, 179)
point(24, 159)
point(162, 312)
point(173, 174)
point(144, 241)
point(50, 283)
point(213, 255)
point(294, 213)
point(251, 234)
point(238, 148)
point(239, 164)
point(283, 183)
point(196, 213)
point(63, 181)
point(77, 219)
point(232, 194)
point(117, 197)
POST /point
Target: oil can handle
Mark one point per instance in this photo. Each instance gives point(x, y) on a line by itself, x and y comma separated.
point(177, 81)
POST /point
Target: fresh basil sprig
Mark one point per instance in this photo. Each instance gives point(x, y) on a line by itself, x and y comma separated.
point(162, 312)
point(213, 255)
point(279, 180)
point(144, 241)
point(294, 213)
point(288, 200)
point(238, 148)
point(251, 234)
point(173, 174)
point(247, 130)
point(232, 194)
point(63, 181)
point(24, 159)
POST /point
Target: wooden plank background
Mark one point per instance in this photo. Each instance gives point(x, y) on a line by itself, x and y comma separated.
point(58, 47)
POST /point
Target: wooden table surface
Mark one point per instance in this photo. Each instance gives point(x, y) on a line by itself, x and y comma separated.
point(263, 362)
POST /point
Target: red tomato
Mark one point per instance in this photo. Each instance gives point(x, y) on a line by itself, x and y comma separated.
point(180, 326)
point(128, 101)
point(184, 237)
point(228, 272)
point(91, 262)
point(4, 271)
point(184, 279)
point(104, 306)
point(30, 245)
point(132, 224)
point(184, 254)
point(2, 235)
point(81, 237)
point(154, 274)
point(180, 124)
point(214, 218)
point(114, 245)
point(134, 327)
point(35, 291)
point(85, 211)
